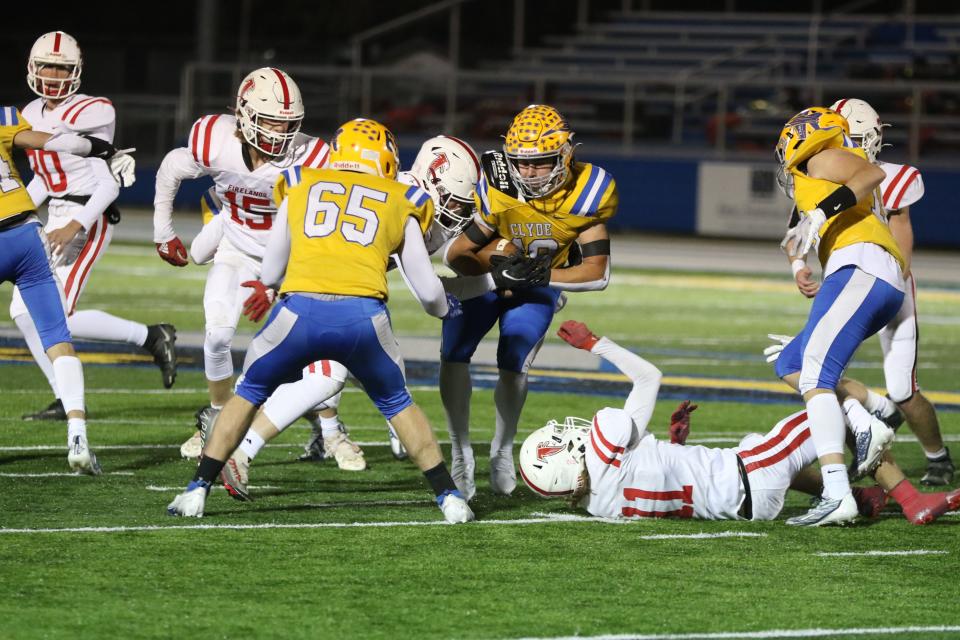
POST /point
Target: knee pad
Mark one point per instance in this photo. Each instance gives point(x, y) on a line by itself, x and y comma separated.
point(900, 386)
point(217, 359)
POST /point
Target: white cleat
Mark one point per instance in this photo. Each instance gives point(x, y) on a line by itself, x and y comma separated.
point(396, 447)
point(503, 475)
point(455, 509)
point(190, 503)
point(348, 455)
point(462, 471)
point(192, 448)
point(841, 511)
point(81, 459)
point(870, 445)
point(235, 476)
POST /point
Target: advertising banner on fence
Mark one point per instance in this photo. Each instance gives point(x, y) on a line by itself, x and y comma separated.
point(741, 200)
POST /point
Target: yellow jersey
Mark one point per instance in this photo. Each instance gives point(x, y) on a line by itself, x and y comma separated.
point(14, 198)
point(343, 227)
point(864, 222)
point(544, 225)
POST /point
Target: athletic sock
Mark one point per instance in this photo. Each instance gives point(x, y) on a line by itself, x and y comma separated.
point(69, 372)
point(208, 469)
point(858, 417)
point(835, 481)
point(917, 507)
point(99, 325)
point(508, 398)
point(252, 443)
point(879, 405)
point(455, 391)
point(30, 335)
point(76, 427)
point(827, 432)
point(942, 454)
point(330, 427)
point(439, 479)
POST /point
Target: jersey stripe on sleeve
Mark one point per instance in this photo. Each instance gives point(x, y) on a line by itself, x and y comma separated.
point(318, 156)
point(417, 196)
point(76, 114)
point(903, 190)
point(593, 190)
point(605, 450)
point(888, 193)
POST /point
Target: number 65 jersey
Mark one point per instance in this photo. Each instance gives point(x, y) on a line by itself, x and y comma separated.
point(215, 148)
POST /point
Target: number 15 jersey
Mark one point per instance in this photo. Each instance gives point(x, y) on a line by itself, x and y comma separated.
point(343, 228)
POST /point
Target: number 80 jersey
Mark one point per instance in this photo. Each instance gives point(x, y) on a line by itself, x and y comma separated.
point(343, 228)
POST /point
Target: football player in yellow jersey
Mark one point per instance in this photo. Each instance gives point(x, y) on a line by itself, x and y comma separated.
point(24, 262)
point(537, 196)
point(834, 185)
point(334, 233)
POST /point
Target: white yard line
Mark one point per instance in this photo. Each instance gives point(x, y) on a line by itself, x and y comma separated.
point(62, 475)
point(773, 633)
point(704, 536)
point(216, 487)
point(122, 447)
point(908, 552)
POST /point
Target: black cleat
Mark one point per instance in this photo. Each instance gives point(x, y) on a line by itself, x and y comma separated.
point(161, 342)
point(53, 412)
point(939, 471)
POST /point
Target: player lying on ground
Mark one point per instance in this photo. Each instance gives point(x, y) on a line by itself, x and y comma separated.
point(447, 169)
point(80, 194)
point(25, 261)
point(902, 187)
point(614, 467)
point(336, 229)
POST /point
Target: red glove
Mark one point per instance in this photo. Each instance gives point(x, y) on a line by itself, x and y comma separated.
point(173, 252)
point(259, 301)
point(577, 334)
point(680, 422)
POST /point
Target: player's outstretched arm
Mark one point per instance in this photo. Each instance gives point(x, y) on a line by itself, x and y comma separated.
point(593, 272)
point(418, 271)
point(78, 145)
point(644, 375)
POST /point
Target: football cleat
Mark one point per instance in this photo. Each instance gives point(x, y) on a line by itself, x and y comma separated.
point(348, 455)
point(161, 342)
point(313, 450)
point(462, 471)
point(206, 418)
point(54, 411)
point(826, 512)
point(192, 447)
point(870, 445)
point(503, 475)
point(190, 503)
point(933, 506)
point(235, 476)
point(396, 447)
point(870, 500)
point(939, 471)
point(81, 459)
point(455, 509)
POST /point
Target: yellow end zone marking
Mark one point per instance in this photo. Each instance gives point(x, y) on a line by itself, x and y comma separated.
point(14, 354)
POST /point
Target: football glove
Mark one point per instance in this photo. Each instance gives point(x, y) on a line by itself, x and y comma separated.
point(173, 251)
point(259, 301)
point(680, 422)
point(454, 308)
point(122, 167)
point(773, 351)
point(519, 272)
point(792, 240)
point(577, 334)
point(812, 220)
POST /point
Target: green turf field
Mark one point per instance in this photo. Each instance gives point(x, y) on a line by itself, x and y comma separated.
point(323, 553)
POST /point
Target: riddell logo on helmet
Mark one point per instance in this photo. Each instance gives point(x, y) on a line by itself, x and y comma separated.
point(547, 449)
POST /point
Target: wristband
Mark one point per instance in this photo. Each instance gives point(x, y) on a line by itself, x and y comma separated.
point(797, 265)
point(840, 200)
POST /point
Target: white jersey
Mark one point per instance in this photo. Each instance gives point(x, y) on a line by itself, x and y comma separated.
point(436, 236)
point(60, 174)
point(634, 475)
point(215, 149)
point(901, 187)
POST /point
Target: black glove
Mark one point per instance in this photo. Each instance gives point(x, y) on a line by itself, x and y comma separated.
point(519, 272)
point(113, 214)
point(100, 148)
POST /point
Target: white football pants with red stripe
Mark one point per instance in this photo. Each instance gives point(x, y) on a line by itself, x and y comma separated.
point(318, 389)
point(773, 460)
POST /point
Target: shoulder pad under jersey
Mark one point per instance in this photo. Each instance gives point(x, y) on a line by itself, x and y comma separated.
point(89, 113)
point(207, 136)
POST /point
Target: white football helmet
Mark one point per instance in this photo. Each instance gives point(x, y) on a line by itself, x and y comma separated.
point(865, 126)
point(448, 169)
point(552, 458)
point(269, 94)
point(54, 49)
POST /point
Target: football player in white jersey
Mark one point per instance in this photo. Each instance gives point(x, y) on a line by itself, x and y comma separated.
point(615, 468)
point(244, 153)
point(902, 187)
point(446, 168)
point(80, 194)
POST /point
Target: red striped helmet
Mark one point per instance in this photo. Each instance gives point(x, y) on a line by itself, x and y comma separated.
point(55, 49)
point(448, 169)
point(268, 100)
point(865, 126)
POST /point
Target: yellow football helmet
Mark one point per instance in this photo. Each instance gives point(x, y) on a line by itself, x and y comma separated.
point(539, 131)
point(809, 123)
point(366, 146)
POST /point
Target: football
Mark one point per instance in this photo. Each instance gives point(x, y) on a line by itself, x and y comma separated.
point(496, 247)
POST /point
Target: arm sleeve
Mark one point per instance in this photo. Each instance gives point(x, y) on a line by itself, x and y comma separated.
point(593, 285)
point(645, 377)
point(68, 143)
point(178, 165)
point(37, 190)
point(277, 252)
point(418, 272)
point(467, 287)
point(103, 194)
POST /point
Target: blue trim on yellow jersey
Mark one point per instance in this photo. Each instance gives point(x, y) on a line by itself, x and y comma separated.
point(588, 202)
point(299, 175)
point(8, 117)
point(416, 195)
point(211, 203)
point(482, 191)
